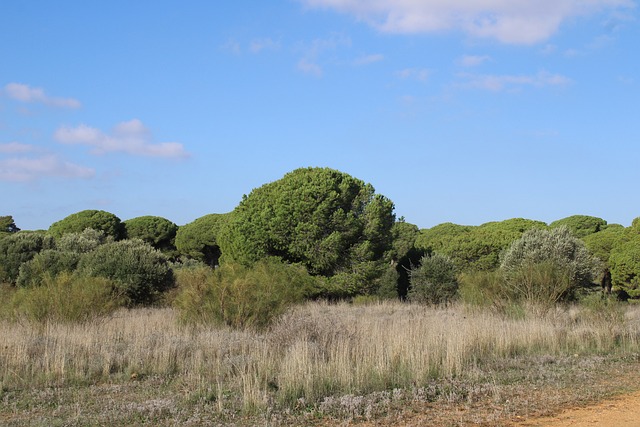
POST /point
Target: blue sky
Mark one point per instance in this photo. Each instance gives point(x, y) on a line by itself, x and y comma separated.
point(462, 111)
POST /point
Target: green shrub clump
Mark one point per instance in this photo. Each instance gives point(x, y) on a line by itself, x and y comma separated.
point(546, 266)
point(240, 296)
point(65, 298)
point(140, 272)
point(434, 281)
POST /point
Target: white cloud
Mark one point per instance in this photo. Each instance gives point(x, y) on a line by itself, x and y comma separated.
point(25, 93)
point(15, 147)
point(368, 59)
point(130, 137)
point(498, 83)
point(473, 60)
point(311, 68)
point(259, 45)
point(508, 21)
point(313, 52)
point(26, 169)
point(420, 74)
point(232, 45)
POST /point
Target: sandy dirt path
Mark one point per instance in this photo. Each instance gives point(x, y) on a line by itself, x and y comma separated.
point(620, 411)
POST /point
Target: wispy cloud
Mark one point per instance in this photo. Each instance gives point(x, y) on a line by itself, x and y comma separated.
point(26, 169)
point(231, 45)
point(420, 74)
point(259, 45)
point(368, 59)
point(25, 93)
point(130, 137)
point(498, 83)
point(513, 22)
point(312, 52)
point(473, 60)
point(310, 68)
point(15, 147)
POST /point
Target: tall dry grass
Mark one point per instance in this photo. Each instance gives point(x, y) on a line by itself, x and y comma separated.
point(313, 351)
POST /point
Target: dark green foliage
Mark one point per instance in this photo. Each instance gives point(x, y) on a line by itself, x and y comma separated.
point(602, 243)
point(581, 225)
point(241, 296)
point(476, 248)
point(7, 225)
point(47, 263)
point(157, 231)
point(18, 248)
point(625, 267)
point(97, 220)
point(439, 237)
point(548, 265)
point(326, 220)
point(198, 239)
point(139, 271)
point(403, 255)
point(434, 281)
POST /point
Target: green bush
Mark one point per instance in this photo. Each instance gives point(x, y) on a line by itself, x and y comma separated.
point(66, 298)
point(542, 283)
point(554, 259)
point(434, 280)
point(18, 248)
point(141, 272)
point(83, 242)
point(241, 296)
point(49, 262)
point(483, 288)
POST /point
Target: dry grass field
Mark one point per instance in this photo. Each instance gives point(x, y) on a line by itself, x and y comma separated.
point(319, 364)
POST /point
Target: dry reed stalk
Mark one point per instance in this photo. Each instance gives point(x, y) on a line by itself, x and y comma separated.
point(314, 351)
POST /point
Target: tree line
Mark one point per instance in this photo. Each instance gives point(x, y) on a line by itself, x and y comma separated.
point(338, 233)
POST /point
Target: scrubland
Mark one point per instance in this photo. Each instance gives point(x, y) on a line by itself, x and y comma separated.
point(316, 364)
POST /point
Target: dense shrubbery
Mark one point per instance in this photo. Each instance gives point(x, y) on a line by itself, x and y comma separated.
point(64, 298)
point(241, 296)
point(434, 281)
point(557, 246)
point(140, 272)
point(46, 265)
point(326, 235)
point(18, 248)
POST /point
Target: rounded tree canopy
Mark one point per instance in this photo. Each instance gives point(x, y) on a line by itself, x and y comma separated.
point(198, 239)
point(97, 220)
point(476, 247)
point(7, 225)
point(157, 231)
point(581, 225)
point(625, 266)
point(319, 217)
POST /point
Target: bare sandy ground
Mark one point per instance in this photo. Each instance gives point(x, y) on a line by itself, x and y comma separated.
point(620, 411)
